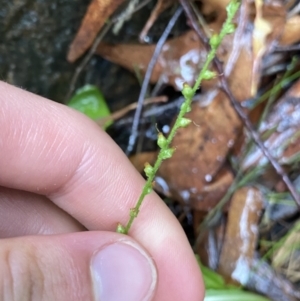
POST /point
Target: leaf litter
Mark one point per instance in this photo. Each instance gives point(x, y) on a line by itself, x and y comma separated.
point(215, 157)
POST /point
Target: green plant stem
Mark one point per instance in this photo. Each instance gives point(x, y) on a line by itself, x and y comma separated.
point(165, 150)
point(145, 191)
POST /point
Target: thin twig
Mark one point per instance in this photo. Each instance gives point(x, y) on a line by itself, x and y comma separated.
point(280, 48)
point(295, 10)
point(151, 112)
point(127, 12)
point(243, 116)
point(97, 41)
point(157, 51)
point(86, 59)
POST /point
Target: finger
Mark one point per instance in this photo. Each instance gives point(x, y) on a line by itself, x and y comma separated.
point(87, 266)
point(25, 213)
point(54, 150)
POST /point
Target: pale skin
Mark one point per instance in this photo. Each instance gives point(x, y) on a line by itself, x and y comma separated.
point(62, 175)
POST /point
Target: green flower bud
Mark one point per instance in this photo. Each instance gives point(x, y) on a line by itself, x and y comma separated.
point(167, 153)
point(161, 140)
point(183, 122)
point(133, 212)
point(149, 190)
point(187, 91)
point(148, 169)
point(185, 107)
point(209, 74)
point(121, 229)
point(230, 28)
point(214, 41)
point(232, 8)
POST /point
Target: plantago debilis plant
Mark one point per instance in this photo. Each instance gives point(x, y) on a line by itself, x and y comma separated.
point(166, 151)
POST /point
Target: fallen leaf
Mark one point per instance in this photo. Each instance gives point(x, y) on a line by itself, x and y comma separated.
point(139, 160)
point(241, 235)
point(291, 31)
point(180, 60)
point(268, 28)
point(201, 150)
point(97, 14)
point(203, 196)
point(214, 9)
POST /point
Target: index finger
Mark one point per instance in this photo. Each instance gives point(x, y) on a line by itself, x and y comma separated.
point(50, 149)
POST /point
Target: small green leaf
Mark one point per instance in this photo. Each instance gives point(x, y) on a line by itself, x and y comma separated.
point(90, 101)
point(232, 295)
point(213, 280)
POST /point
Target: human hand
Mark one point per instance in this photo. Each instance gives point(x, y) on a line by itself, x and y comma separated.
point(60, 176)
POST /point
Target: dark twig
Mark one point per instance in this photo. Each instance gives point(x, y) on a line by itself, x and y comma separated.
point(157, 51)
point(86, 59)
point(279, 48)
point(92, 50)
point(225, 87)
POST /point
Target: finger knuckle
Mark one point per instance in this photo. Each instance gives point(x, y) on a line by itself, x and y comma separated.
point(21, 276)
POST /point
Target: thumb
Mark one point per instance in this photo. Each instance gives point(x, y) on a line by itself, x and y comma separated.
point(82, 266)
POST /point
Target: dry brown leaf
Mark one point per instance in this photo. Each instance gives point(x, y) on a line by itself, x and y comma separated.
point(210, 195)
point(239, 64)
point(179, 62)
point(268, 28)
point(182, 58)
point(215, 8)
point(291, 32)
point(97, 14)
point(201, 149)
point(139, 160)
point(241, 235)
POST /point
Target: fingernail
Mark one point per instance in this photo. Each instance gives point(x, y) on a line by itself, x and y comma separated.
point(123, 271)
